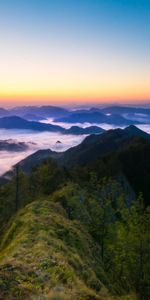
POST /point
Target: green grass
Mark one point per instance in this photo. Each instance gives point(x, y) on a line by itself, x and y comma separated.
point(47, 252)
point(45, 255)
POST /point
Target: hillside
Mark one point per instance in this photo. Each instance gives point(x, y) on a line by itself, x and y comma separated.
point(50, 251)
point(95, 146)
point(117, 153)
point(91, 148)
point(114, 153)
point(37, 158)
point(74, 230)
point(43, 255)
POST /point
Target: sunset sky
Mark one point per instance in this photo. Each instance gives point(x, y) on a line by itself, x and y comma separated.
point(64, 51)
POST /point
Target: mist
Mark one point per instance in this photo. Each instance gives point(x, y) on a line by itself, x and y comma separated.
point(38, 140)
point(44, 140)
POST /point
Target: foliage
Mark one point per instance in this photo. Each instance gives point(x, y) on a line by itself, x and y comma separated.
point(77, 233)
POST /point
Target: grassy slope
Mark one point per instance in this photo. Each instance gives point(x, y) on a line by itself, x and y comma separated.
point(44, 255)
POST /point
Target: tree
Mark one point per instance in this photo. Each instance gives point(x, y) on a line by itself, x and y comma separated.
point(139, 235)
point(17, 188)
point(129, 248)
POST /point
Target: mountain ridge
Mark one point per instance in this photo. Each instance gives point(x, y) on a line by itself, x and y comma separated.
point(68, 226)
point(96, 117)
point(15, 122)
point(92, 148)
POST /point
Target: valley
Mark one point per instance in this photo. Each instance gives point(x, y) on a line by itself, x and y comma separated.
point(74, 212)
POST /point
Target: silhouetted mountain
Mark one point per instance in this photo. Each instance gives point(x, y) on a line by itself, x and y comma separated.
point(119, 115)
point(96, 117)
point(125, 109)
point(115, 115)
point(37, 158)
point(95, 146)
point(86, 130)
point(109, 152)
point(92, 148)
point(134, 161)
point(134, 131)
point(14, 122)
point(115, 153)
point(43, 111)
point(55, 214)
point(31, 161)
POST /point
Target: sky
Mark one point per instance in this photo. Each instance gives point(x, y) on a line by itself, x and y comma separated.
point(74, 51)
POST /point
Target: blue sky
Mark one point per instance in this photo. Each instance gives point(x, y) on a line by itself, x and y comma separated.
point(75, 49)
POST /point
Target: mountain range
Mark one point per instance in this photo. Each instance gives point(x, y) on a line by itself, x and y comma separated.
point(96, 117)
point(14, 122)
point(32, 111)
point(91, 148)
point(110, 147)
point(74, 224)
point(116, 115)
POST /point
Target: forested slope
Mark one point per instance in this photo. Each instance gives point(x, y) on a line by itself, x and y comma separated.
point(78, 231)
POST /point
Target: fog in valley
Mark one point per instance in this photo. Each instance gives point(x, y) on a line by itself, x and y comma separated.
point(44, 140)
point(39, 140)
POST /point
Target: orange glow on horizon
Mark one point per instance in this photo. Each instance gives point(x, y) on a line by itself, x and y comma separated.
point(59, 53)
point(39, 100)
point(74, 89)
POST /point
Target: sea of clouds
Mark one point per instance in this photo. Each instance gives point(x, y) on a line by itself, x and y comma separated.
point(37, 140)
point(43, 140)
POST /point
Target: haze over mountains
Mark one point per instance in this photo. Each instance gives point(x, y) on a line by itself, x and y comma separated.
point(55, 207)
point(119, 115)
point(109, 148)
point(15, 122)
point(58, 128)
point(65, 192)
point(74, 150)
point(92, 147)
point(42, 111)
point(95, 116)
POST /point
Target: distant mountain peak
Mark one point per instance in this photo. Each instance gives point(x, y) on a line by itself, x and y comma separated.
point(135, 131)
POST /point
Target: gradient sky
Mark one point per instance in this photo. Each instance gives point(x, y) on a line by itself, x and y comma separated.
point(54, 51)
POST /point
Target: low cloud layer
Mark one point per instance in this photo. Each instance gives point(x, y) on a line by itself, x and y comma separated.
point(42, 140)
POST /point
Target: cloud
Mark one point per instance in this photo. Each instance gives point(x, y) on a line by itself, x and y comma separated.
point(42, 140)
point(38, 140)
